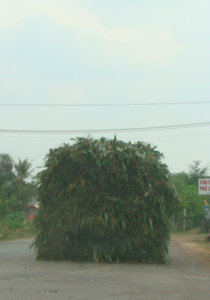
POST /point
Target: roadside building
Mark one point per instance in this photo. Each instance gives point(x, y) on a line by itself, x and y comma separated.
point(32, 210)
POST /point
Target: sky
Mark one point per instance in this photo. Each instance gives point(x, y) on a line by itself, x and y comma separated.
point(105, 52)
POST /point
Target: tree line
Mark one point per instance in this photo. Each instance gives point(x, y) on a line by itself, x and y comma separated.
point(17, 189)
point(186, 184)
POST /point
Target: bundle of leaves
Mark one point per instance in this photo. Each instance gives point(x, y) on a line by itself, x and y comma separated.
point(104, 200)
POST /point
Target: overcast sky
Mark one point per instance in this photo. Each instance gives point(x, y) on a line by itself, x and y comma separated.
point(105, 51)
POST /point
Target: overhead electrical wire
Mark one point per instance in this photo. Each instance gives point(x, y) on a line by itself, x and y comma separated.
point(108, 130)
point(101, 104)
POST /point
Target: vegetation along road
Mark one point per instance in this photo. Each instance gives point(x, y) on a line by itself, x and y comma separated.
point(22, 277)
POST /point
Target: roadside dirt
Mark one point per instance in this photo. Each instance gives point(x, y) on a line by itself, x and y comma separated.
point(194, 244)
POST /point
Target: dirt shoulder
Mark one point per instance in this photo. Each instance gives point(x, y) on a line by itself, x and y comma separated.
point(195, 244)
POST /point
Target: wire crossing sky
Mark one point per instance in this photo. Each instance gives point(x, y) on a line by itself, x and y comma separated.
point(137, 69)
point(103, 104)
point(115, 130)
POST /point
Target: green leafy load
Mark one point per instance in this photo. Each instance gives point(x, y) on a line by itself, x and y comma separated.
point(104, 200)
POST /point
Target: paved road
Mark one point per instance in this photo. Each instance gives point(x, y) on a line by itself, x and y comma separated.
point(24, 278)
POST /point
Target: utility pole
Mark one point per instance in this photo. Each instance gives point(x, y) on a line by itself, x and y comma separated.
point(184, 220)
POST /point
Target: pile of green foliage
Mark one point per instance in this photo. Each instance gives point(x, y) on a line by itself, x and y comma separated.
point(104, 200)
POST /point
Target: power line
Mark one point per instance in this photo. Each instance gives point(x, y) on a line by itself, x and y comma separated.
point(110, 130)
point(102, 104)
point(52, 137)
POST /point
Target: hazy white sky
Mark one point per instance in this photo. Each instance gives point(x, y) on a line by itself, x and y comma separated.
point(88, 51)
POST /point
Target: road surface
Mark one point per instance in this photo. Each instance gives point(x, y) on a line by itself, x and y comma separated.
point(24, 278)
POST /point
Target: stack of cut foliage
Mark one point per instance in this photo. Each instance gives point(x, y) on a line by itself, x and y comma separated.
point(104, 201)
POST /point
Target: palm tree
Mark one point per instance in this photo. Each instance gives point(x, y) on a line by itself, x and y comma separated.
point(23, 189)
point(23, 170)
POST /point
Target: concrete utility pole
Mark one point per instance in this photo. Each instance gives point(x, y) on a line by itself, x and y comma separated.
point(184, 219)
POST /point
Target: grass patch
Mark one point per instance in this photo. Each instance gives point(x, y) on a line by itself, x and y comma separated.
point(27, 231)
point(194, 235)
point(196, 230)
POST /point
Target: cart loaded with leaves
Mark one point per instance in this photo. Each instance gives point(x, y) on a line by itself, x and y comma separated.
point(105, 201)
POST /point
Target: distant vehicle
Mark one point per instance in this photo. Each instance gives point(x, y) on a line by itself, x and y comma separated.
point(205, 224)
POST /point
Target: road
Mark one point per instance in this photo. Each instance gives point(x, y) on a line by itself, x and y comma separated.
point(24, 278)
